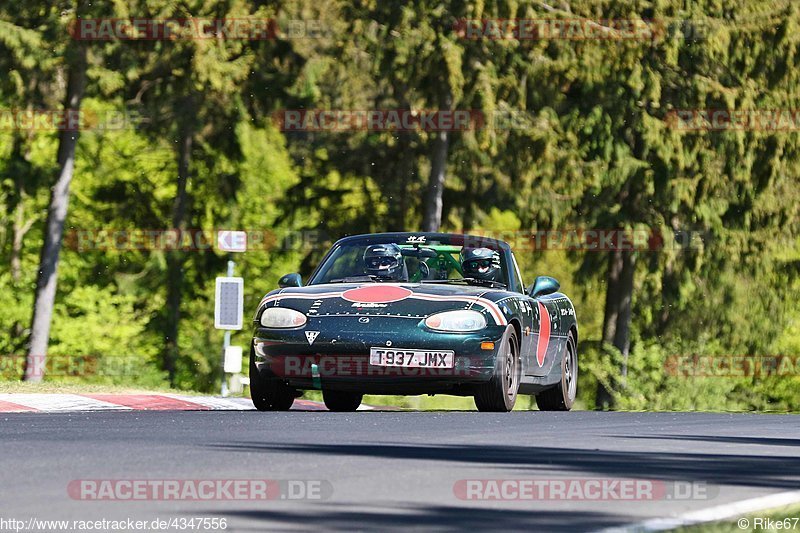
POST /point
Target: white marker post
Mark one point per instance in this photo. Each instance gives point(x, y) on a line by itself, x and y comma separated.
point(229, 300)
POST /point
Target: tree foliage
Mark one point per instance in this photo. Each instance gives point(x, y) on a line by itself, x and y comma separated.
point(593, 145)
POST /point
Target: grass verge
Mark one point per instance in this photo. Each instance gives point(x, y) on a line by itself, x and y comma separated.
point(56, 387)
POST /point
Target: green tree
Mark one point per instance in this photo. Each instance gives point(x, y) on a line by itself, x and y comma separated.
point(46, 284)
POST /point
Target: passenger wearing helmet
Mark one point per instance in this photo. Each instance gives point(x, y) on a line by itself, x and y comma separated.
point(385, 261)
point(481, 263)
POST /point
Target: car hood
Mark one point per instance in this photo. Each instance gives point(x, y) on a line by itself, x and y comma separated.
point(402, 300)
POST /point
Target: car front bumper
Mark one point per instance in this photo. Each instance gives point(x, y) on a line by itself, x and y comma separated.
point(338, 359)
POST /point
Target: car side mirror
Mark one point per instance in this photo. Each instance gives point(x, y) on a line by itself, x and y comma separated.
point(542, 286)
point(290, 280)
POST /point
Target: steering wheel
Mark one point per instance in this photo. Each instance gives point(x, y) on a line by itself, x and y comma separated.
point(424, 269)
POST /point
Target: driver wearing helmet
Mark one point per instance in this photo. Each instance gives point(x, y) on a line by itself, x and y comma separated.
point(481, 263)
point(385, 262)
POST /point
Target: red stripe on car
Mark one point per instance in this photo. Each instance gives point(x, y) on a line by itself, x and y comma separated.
point(544, 334)
point(377, 294)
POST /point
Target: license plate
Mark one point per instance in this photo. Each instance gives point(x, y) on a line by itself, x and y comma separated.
point(411, 358)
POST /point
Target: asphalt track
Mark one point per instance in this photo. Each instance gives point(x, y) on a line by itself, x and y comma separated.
point(394, 470)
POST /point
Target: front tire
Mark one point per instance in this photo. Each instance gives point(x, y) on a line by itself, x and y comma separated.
point(500, 394)
point(345, 402)
point(562, 396)
point(269, 394)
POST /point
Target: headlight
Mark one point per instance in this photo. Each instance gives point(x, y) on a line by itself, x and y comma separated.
point(456, 321)
point(280, 317)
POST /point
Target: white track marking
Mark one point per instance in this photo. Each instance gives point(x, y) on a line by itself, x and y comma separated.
point(217, 404)
point(60, 402)
point(712, 514)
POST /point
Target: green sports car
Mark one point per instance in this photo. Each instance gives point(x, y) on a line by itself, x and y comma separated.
point(415, 313)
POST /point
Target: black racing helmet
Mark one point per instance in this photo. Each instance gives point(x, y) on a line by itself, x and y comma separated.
point(386, 262)
point(481, 263)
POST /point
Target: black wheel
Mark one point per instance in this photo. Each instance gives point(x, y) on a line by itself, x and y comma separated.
point(562, 396)
point(269, 394)
point(341, 401)
point(500, 393)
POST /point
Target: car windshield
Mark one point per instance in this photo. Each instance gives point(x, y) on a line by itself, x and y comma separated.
point(430, 261)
